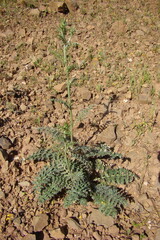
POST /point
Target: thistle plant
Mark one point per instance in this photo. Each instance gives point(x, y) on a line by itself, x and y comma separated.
point(77, 172)
point(63, 31)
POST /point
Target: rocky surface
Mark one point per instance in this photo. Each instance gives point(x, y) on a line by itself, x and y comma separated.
point(118, 83)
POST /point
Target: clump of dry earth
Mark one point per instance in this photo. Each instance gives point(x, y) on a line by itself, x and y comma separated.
point(118, 77)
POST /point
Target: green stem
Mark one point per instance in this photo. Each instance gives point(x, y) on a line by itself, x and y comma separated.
point(68, 91)
point(70, 110)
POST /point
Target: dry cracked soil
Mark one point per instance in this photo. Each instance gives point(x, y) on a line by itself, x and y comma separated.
point(117, 59)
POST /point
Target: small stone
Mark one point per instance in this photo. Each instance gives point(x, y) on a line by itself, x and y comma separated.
point(63, 8)
point(73, 224)
point(2, 35)
point(58, 107)
point(23, 107)
point(9, 33)
point(34, 12)
point(128, 95)
point(35, 130)
point(97, 236)
point(139, 33)
point(110, 91)
point(114, 230)
point(100, 219)
point(72, 5)
point(5, 167)
point(60, 87)
point(109, 238)
point(58, 6)
point(40, 222)
point(84, 215)
point(10, 230)
point(28, 3)
point(118, 27)
point(144, 99)
point(3, 155)
point(57, 233)
point(157, 234)
point(107, 135)
point(27, 140)
point(5, 142)
point(24, 184)
point(30, 41)
point(22, 32)
point(17, 221)
point(135, 237)
point(29, 237)
point(2, 194)
point(84, 93)
point(63, 213)
point(69, 213)
point(46, 236)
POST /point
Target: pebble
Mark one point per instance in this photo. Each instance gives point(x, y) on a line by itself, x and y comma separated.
point(84, 93)
point(23, 107)
point(24, 184)
point(72, 5)
point(5, 143)
point(119, 27)
point(17, 221)
point(2, 194)
point(29, 237)
point(46, 236)
point(9, 33)
point(40, 222)
point(34, 12)
point(63, 213)
point(4, 169)
point(144, 99)
point(135, 237)
point(3, 155)
point(100, 219)
point(157, 236)
point(73, 224)
point(58, 6)
point(57, 233)
point(107, 135)
point(114, 230)
point(60, 87)
point(96, 236)
point(10, 229)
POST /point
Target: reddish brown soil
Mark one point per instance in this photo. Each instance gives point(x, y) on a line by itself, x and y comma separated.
point(118, 56)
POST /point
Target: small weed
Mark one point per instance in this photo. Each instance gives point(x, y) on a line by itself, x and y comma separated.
point(115, 79)
point(84, 78)
point(99, 87)
point(83, 11)
point(152, 92)
point(4, 3)
point(142, 127)
point(3, 62)
point(38, 62)
point(158, 77)
point(11, 106)
point(37, 121)
point(138, 79)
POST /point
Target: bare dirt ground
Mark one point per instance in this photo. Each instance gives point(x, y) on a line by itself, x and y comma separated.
point(118, 73)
